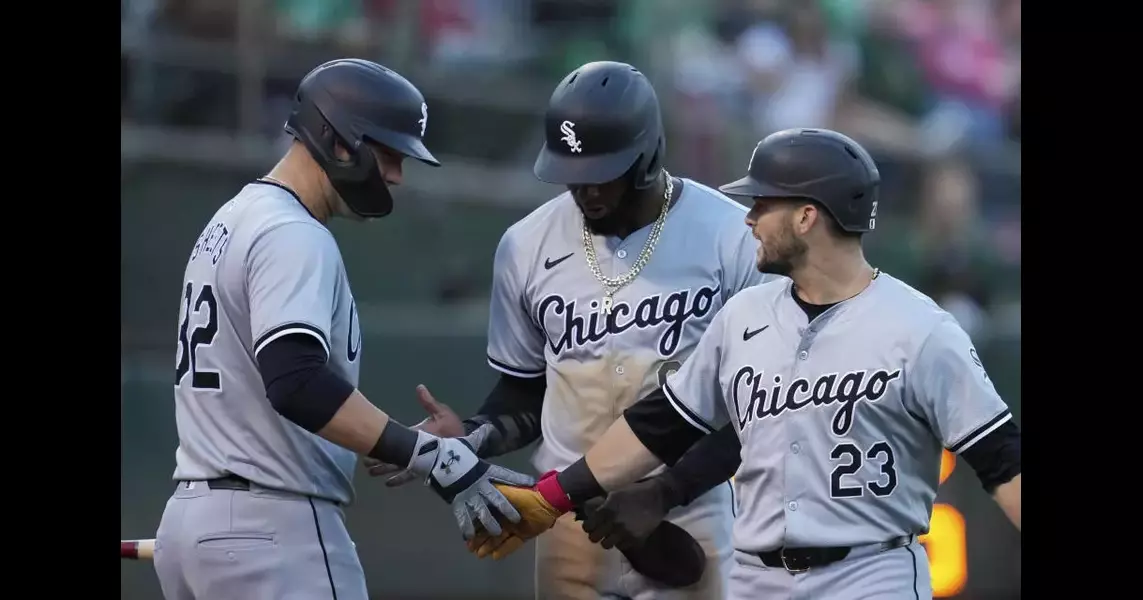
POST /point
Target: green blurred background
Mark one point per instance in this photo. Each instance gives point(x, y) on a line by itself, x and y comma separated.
point(930, 86)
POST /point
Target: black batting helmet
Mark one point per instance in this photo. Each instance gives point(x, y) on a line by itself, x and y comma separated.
point(816, 164)
point(352, 101)
point(602, 123)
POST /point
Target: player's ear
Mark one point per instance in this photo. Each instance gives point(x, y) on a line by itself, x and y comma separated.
point(805, 216)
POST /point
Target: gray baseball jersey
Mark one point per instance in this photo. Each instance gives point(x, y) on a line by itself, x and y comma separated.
point(546, 316)
point(842, 419)
point(262, 268)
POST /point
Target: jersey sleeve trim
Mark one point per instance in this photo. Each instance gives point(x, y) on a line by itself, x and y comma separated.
point(685, 412)
point(980, 432)
point(514, 371)
point(289, 329)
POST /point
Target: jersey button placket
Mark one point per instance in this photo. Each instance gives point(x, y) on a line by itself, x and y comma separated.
point(613, 268)
point(795, 484)
point(804, 347)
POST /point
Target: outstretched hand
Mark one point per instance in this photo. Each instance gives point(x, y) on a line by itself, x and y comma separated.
point(441, 422)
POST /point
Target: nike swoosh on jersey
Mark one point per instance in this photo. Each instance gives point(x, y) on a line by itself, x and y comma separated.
point(549, 263)
point(747, 334)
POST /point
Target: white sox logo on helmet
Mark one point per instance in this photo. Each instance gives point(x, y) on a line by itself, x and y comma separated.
point(568, 129)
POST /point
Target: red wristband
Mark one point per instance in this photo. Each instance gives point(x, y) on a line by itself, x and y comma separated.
point(549, 487)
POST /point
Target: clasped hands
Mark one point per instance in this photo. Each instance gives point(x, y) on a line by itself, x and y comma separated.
point(624, 519)
point(526, 508)
point(475, 488)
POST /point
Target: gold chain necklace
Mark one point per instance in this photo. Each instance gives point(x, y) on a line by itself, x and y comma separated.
point(614, 284)
point(876, 273)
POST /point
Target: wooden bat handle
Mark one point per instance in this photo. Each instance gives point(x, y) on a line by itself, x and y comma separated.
point(137, 549)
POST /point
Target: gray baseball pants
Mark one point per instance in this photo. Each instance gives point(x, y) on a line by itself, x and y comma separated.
point(256, 544)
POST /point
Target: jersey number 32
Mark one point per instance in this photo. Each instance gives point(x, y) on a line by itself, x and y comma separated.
point(205, 310)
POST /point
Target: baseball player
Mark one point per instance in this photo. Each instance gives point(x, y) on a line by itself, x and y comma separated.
point(843, 385)
point(596, 296)
point(269, 419)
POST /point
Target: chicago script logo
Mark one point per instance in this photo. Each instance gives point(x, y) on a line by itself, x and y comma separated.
point(674, 310)
point(754, 400)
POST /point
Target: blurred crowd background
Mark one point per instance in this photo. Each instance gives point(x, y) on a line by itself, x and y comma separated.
point(931, 87)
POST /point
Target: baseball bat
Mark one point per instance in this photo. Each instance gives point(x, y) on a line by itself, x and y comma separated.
point(137, 549)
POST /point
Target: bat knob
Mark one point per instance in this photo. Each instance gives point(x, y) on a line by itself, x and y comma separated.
point(137, 549)
point(129, 550)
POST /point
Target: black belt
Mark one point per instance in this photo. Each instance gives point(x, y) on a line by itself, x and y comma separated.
point(226, 482)
point(800, 560)
point(241, 484)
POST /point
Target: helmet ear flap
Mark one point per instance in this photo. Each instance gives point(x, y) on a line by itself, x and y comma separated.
point(309, 127)
point(648, 167)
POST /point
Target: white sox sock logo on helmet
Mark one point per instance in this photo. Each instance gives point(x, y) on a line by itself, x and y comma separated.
point(568, 129)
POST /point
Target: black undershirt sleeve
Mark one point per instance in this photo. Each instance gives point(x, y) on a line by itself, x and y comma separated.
point(513, 408)
point(660, 428)
point(299, 384)
point(995, 457)
point(709, 463)
point(303, 389)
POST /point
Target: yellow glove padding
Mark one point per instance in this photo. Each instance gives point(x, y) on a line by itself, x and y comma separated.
point(536, 517)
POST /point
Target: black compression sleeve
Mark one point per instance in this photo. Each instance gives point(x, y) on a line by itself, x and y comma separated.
point(513, 408)
point(709, 463)
point(298, 383)
point(395, 445)
point(996, 456)
point(579, 483)
point(660, 428)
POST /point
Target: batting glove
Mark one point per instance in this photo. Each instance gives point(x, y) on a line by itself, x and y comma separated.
point(540, 507)
point(475, 440)
point(628, 516)
point(457, 475)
